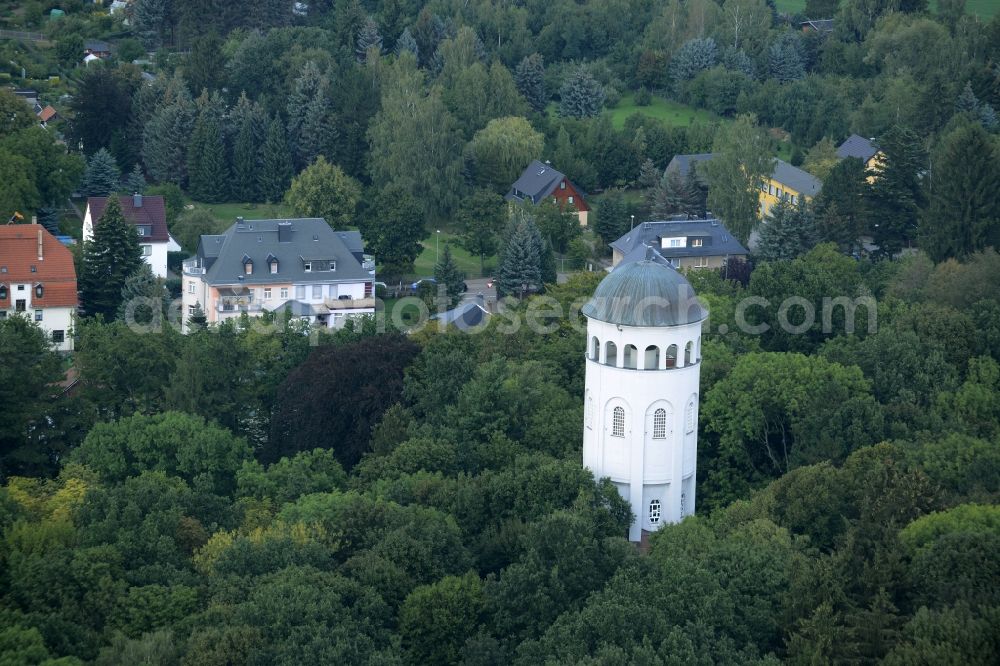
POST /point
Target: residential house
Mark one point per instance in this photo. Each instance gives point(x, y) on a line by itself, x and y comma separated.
point(29, 96)
point(149, 215)
point(38, 280)
point(681, 242)
point(785, 182)
point(541, 180)
point(46, 115)
point(820, 26)
point(863, 149)
point(258, 266)
point(96, 48)
point(465, 316)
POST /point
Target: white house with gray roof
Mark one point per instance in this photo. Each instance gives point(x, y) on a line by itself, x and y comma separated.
point(301, 265)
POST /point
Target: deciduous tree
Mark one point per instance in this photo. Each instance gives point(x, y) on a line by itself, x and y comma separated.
point(324, 190)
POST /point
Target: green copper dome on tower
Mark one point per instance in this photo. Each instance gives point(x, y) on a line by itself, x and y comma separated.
point(645, 293)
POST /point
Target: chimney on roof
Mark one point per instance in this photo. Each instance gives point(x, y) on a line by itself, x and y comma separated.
point(137, 200)
point(40, 257)
point(284, 232)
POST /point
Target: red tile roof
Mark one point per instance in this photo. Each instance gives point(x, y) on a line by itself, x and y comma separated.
point(46, 114)
point(152, 213)
point(55, 271)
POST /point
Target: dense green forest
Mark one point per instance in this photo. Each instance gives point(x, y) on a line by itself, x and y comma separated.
point(259, 495)
point(233, 496)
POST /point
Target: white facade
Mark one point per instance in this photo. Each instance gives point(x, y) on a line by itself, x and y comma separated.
point(153, 252)
point(56, 321)
point(641, 416)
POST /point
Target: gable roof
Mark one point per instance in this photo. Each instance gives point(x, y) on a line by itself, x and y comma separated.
point(54, 271)
point(857, 146)
point(819, 25)
point(683, 163)
point(465, 316)
point(801, 181)
point(720, 241)
point(536, 182)
point(151, 212)
point(96, 45)
point(47, 114)
point(298, 241)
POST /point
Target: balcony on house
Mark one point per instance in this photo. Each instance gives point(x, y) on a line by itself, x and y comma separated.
point(347, 303)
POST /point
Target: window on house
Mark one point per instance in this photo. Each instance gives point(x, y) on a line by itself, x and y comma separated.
point(267, 293)
point(654, 512)
point(697, 242)
point(274, 267)
point(770, 189)
point(147, 250)
point(3, 292)
point(142, 232)
point(20, 287)
point(630, 357)
point(3, 314)
point(675, 242)
point(34, 269)
point(307, 267)
point(20, 305)
point(38, 315)
point(317, 291)
point(795, 199)
point(671, 357)
point(569, 199)
point(300, 291)
point(689, 420)
point(190, 287)
point(702, 262)
point(39, 290)
point(562, 185)
point(284, 292)
point(660, 424)
point(610, 354)
point(58, 337)
point(248, 267)
point(652, 358)
point(618, 422)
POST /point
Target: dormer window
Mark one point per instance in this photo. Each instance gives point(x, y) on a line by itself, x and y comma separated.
point(39, 291)
point(247, 264)
point(272, 263)
point(696, 242)
point(307, 267)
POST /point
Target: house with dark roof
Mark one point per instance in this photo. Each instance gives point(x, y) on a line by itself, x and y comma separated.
point(38, 281)
point(679, 242)
point(465, 316)
point(541, 180)
point(149, 215)
point(863, 149)
point(786, 182)
point(301, 266)
point(96, 48)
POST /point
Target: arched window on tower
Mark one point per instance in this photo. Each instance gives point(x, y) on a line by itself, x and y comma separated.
point(610, 354)
point(688, 349)
point(670, 358)
point(660, 424)
point(618, 422)
point(689, 418)
point(630, 356)
point(652, 360)
point(595, 349)
point(654, 512)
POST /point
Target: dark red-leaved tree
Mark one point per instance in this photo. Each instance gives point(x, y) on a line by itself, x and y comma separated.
point(336, 396)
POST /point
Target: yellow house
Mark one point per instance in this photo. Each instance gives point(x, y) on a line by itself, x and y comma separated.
point(787, 183)
point(865, 150)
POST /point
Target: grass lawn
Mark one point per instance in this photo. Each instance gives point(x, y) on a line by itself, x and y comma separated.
point(424, 264)
point(228, 212)
point(671, 113)
point(984, 9)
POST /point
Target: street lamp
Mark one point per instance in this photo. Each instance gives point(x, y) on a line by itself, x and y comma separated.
point(633, 223)
point(437, 247)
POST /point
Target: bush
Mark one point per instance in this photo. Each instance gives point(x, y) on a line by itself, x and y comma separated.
point(643, 97)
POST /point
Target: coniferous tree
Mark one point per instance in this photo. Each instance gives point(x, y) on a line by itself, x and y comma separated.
point(649, 175)
point(275, 164)
point(369, 37)
point(108, 259)
point(319, 129)
point(197, 320)
point(788, 232)
point(694, 56)
point(251, 127)
point(963, 215)
point(893, 201)
point(448, 276)
point(407, 44)
point(48, 217)
point(167, 134)
point(149, 21)
point(530, 79)
point(696, 202)
point(785, 58)
point(612, 217)
point(202, 69)
point(520, 271)
point(967, 102)
point(208, 172)
point(547, 264)
point(102, 176)
point(309, 97)
point(840, 206)
point(988, 117)
point(581, 96)
point(135, 183)
point(143, 297)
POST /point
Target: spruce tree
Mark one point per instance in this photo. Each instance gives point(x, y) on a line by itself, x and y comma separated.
point(250, 124)
point(785, 58)
point(143, 297)
point(135, 183)
point(48, 217)
point(788, 232)
point(148, 21)
point(308, 96)
point(208, 172)
point(108, 259)
point(167, 134)
point(276, 164)
point(581, 96)
point(102, 176)
point(696, 200)
point(612, 217)
point(197, 320)
point(368, 38)
point(520, 271)
point(319, 132)
point(649, 175)
point(407, 44)
point(967, 102)
point(694, 56)
point(530, 79)
point(964, 208)
point(894, 199)
point(547, 265)
point(448, 276)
